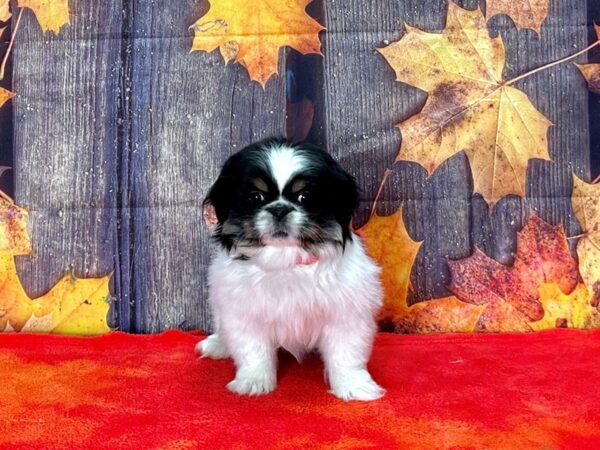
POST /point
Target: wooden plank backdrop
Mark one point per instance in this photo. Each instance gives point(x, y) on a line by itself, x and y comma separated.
point(362, 104)
point(119, 132)
point(188, 113)
point(65, 142)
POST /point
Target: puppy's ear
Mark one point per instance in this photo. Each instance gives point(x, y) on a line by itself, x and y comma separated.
point(209, 214)
point(217, 204)
point(346, 195)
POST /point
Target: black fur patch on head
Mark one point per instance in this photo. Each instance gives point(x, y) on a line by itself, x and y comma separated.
point(325, 194)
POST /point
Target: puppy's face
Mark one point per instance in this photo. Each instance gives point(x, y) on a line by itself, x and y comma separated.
point(277, 193)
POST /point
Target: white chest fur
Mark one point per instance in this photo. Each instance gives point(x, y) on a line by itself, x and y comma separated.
point(290, 304)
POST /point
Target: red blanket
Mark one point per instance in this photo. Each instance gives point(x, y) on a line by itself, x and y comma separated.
point(447, 391)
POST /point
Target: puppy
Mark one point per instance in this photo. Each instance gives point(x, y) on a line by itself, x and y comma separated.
point(289, 273)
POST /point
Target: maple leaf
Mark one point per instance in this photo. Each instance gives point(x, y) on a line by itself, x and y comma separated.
point(72, 306)
point(51, 14)
point(525, 13)
point(561, 310)
point(252, 32)
point(591, 73)
point(5, 96)
point(511, 293)
point(469, 108)
point(4, 11)
point(586, 206)
point(389, 244)
point(440, 315)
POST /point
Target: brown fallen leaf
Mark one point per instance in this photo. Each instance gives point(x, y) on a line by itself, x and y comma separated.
point(252, 33)
point(591, 73)
point(72, 306)
point(388, 243)
point(51, 14)
point(574, 310)
point(469, 107)
point(525, 13)
point(586, 206)
point(511, 293)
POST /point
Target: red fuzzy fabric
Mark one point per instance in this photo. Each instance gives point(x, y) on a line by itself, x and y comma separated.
point(445, 391)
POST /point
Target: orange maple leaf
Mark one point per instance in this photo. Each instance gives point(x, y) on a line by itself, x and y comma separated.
point(591, 73)
point(469, 107)
point(525, 13)
point(72, 306)
point(51, 14)
point(251, 33)
point(389, 244)
point(511, 294)
point(5, 96)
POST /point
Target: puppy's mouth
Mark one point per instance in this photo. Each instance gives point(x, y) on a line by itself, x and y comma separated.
point(280, 238)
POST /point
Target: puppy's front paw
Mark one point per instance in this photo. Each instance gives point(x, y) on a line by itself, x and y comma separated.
point(355, 385)
point(253, 384)
point(212, 347)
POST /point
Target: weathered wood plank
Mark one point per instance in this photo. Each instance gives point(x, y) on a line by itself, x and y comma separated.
point(362, 103)
point(189, 112)
point(65, 116)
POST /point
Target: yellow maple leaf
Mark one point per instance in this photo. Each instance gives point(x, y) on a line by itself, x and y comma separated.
point(591, 73)
point(51, 14)
point(389, 244)
point(586, 206)
point(561, 310)
point(469, 108)
point(4, 11)
point(72, 306)
point(525, 13)
point(5, 95)
point(251, 32)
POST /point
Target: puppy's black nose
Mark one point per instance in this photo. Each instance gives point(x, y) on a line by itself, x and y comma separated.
point(280, 210)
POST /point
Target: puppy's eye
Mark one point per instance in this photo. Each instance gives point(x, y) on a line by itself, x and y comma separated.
point(257, 197)
point(303, 197)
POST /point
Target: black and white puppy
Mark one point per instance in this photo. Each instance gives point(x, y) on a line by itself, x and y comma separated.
point(289, 272)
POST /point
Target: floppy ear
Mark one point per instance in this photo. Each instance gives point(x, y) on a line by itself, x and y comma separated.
point(217, 204)
point(209, 214)
point(346, 195)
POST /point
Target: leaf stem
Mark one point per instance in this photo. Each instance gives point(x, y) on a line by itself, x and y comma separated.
point(597, 179)
point(577, 236)
point(386, 174)
point(546, 66)
point(10, 45)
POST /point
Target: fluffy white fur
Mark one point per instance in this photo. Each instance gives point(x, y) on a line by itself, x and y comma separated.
point(270, 300)
point(329, 305)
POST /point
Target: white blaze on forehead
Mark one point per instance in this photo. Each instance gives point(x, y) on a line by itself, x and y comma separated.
point(284, 163)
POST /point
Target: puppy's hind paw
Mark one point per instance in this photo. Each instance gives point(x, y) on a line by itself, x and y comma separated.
point(356, 385)
point(212, 347)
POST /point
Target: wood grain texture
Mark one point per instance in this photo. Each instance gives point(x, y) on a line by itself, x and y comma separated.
point(119, 132)
point(64, 142)
point(362, 103)
point(189, 112)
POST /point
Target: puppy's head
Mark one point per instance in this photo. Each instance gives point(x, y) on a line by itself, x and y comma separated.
point(278, 193)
